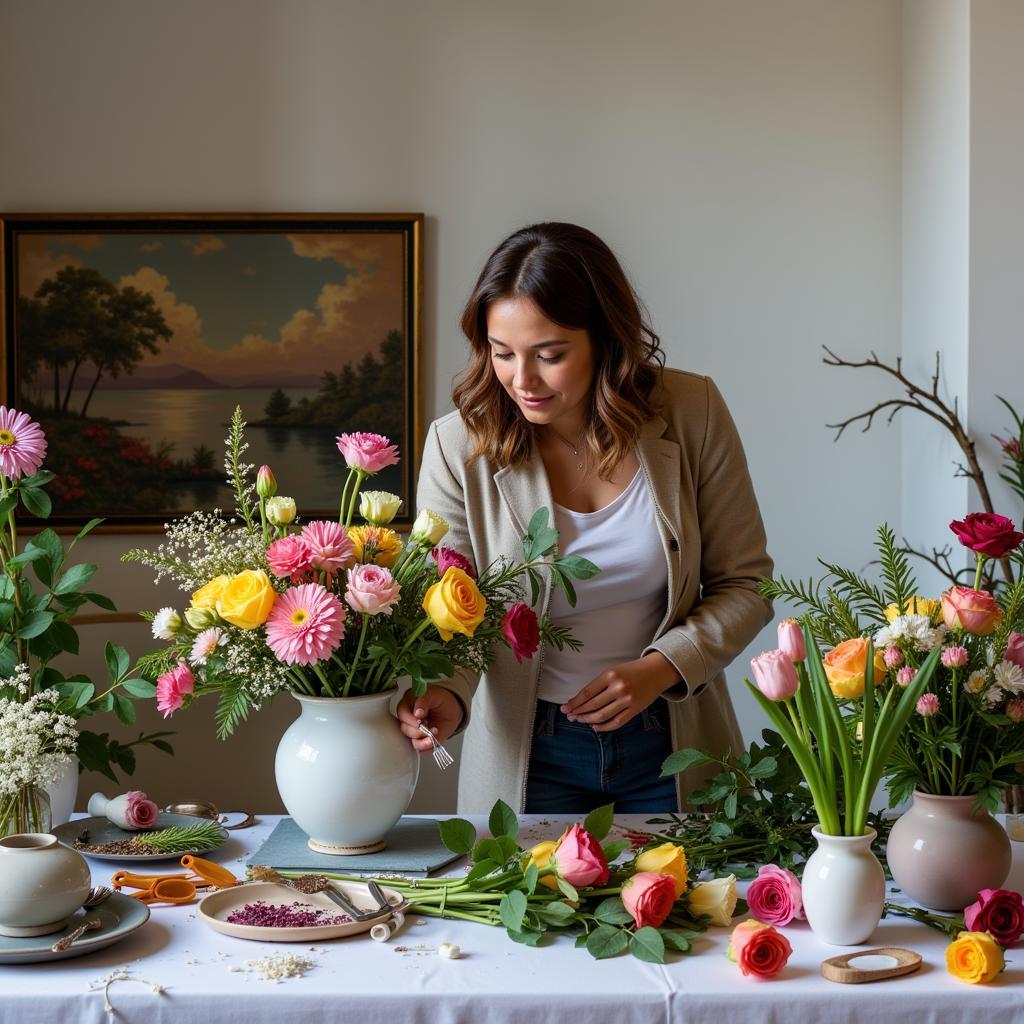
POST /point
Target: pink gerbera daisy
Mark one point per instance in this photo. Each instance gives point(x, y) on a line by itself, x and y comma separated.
point(306, 624)
point(329, 544)
point(22, 444)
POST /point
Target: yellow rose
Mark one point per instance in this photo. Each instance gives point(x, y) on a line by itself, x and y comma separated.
point(916, 606)
point(846, 664)
point(540, 855)
point(454, 604)
point(715, 899)
point(376, 545)
point(206, 597)
point(246, 599)
point(975, 957)
point(666, 859)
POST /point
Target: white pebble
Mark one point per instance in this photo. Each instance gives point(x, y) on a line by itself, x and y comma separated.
point(449, 951)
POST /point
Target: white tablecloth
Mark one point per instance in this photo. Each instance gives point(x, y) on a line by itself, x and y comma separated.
point(358, 980)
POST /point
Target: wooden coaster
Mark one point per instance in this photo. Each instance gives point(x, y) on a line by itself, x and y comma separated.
point(838, 968)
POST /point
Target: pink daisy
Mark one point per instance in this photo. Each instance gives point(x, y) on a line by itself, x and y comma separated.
point(205, 644)
point(22, 444)
point(329, 544)
point(306, 625)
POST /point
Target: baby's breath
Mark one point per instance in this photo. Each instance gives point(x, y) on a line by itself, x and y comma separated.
point(36, 741)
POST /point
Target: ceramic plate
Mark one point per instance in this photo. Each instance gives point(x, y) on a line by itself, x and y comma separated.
point(102, 830)
point(218, 906)
point(121, 915)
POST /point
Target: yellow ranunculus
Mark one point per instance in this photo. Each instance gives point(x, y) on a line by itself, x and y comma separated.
point(246, 599)
point(375, 545)
point(715, 899)
point(846, 664)
point(540, 855)
point(975, 957)
point(206, 597)
point(666, 859)
point(916, 606)
point(455, 604)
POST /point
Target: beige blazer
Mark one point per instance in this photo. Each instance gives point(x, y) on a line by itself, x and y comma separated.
point(714, 543)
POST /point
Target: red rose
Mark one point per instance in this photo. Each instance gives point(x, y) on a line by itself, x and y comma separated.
point(447, 557)
point(521, 630)
point(1000, 912)
point(988, 534)
point(649, 897)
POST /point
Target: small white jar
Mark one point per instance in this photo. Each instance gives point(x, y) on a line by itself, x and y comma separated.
point(41, 883)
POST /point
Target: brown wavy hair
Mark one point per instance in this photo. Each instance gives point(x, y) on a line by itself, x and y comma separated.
point(576, 281)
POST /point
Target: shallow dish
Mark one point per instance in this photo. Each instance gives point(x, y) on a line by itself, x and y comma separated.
point(102, 830)
point(121, 915)
point(215, 909)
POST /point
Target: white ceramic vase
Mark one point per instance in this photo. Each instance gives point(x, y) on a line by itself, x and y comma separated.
point(63, 793)
point(345, 772)
point(41, 883)
point(843, 888)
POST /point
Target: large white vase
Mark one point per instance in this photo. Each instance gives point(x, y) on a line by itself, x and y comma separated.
point(843, 888)
point(63, 793)
point(345, 772)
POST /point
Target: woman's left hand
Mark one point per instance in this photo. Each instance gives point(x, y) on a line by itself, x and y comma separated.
point(620, 693)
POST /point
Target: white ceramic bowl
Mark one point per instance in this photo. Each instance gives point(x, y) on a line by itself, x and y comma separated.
point(41, 882)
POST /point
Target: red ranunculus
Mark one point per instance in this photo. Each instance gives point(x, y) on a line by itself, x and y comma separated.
point(988, 534)
point(1000, 912)
point(521, 630)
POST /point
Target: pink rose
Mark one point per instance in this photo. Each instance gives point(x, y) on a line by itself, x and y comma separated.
point(649, 897)
point(775, 675)
point(987, 534)
point(579, 858)
point(791, 640)
point(372, 589)
point(330, 544)
point(758, 949)
point(521, 630)
point(973, 611)
point(447, 557)
point(369, 453)
point(289, 558)
point(140, 811)
point(1015, 649)
point(1000, 912)
point(172, 688)
point(775, 896)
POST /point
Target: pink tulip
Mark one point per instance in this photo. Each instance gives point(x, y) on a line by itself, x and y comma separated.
point(791, 640)
point(775, 675)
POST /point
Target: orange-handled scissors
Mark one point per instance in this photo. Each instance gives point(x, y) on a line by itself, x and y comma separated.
point(210, 873)
point(132, 881)
point(169, 889)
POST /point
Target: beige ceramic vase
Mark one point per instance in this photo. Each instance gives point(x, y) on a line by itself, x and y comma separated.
point(943, 851)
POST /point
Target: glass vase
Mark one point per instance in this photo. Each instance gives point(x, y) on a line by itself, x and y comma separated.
point(28, 810)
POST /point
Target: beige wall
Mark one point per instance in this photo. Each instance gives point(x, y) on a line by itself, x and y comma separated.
point(742, 156)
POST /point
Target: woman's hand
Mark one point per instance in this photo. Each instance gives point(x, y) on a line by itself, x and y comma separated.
point(620, 693)
point(439, 709)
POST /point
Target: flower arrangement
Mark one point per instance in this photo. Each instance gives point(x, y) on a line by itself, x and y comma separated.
point(332, 609)
point(36, 617)
point(966, 733)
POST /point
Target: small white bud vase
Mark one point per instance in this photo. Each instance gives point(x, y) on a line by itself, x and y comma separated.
point(114, 808)
point(41, 883)
point(843, 888)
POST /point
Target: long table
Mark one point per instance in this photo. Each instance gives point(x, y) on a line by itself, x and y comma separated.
point(496, 982)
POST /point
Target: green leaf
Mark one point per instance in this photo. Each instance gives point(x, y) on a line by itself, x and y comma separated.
point(530, 878)
point(683, 760)
point(124, 709)
point(140, 688)
point(6, 613)
point(648, 945)
point(37, 502)
point(613, 911)
point(556, 913)
point(605, 941)
point(232, 708)
point(117, 661)
point(729, 806)
point(88, 528)
point(457, 834)
point(76, 693)
point(8, 504)
point(73, 579)
point(599, 821)
point(545, 541)
point(99, 600)
point(503, 821)
point(33, 624)
point(500, 849)
point(613, 848)
point(678, 940)
point(480, 869)
point(162, 745)
point(538, 522)
point(577, 567)
point(563, 584)
point(94, 753)
point(63, 636)
point(103, 705)
point(123, 757)
point(527, 937)
point(512, 909)
point(39, 479)
point(568, 890)
point(764, 769)
point(26, 557)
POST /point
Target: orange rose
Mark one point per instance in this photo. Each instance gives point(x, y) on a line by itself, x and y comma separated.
point(846, 664)
point(971, 610)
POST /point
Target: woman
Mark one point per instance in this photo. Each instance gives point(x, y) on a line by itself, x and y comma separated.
point(565, 405)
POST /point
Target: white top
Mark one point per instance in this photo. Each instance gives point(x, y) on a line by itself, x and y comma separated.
point(617, 611)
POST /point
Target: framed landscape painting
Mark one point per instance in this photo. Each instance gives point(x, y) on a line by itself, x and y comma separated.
point(132, 338)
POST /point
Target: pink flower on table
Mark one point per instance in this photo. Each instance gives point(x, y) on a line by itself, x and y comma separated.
point(954, 657)
point(758, 949)
point(905, 676)
point(445, 558)
point(522, 631)
point(330, 545)
point(775, 896)
point(372, 589)
point(579, 858)
point(1000, 912)
point(172, 688)
point(289, 558)
point(306, 625)
point(927, 705)
point(369, 453)
point(775, 675)
point(893, 657)
point(649, 897)
point(791, 640)
point(140, 811)
point(973, 611)
point(1015, 649)
point(22, 444)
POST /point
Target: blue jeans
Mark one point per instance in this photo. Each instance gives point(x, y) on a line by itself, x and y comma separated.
point(574, 769)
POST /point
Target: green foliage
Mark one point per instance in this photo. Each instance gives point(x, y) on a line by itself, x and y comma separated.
point(203, 836)
point(232, 708)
